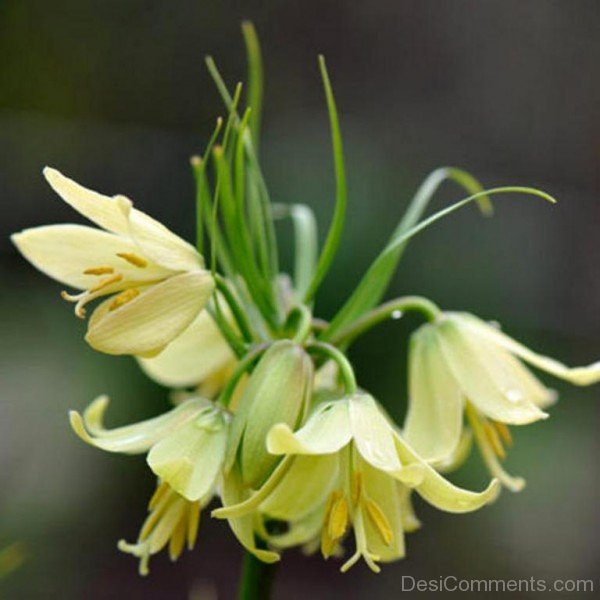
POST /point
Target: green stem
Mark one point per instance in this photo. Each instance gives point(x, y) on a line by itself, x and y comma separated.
point(392, 309)
point(331, 352)
point(303, 316)
point(257, 579)
point(238, 313)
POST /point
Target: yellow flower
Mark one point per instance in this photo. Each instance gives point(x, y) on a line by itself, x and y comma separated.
point(185, 446)
point(155, 282)
point(173, 520)
point(460, 363)
point(348, 466)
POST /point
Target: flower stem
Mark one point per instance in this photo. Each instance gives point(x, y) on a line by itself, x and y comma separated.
point(257, 579)
point(390, 309)
point(331, 352)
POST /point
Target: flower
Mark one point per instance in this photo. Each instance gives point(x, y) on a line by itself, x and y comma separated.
point(199, 357)
point(155, 282)
point(185, 446)
point(278, 390)
point(347, 466)
point(460, 363)
point(173, 520)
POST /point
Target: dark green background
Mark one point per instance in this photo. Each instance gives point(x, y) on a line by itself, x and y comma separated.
point(114, 94)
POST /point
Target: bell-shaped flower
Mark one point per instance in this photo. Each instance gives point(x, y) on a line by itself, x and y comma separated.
point(200, 357)
point(349, 467)
point(154, 282)
point(278, 390)
point(186, 446)
point(172, 520)
point(460, 363)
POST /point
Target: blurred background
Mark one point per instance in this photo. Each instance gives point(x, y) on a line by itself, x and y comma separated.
point(115, 94)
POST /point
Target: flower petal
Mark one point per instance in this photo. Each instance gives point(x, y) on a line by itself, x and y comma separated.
point(374, 438)
point(482, 377)
point(153, 319)
point(326, 431)
point(577, 375)
point(162, 245)
point(435, 411)
point(199, 352)
point(190, 458)
point(109, 213)
point(65, 251)
point(439, 492)
point(243, 527)
point(304, 487)
point(300, 532)
point(131, 439)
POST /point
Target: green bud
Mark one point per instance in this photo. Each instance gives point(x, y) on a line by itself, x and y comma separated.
point(278, 391)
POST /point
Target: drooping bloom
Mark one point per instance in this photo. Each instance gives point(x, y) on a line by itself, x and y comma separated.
point(172, 520)
point(154, 281)
point(348, 466)
point(460, 363)
point(185, 446)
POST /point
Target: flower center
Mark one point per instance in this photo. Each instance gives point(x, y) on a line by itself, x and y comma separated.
point(106, 285)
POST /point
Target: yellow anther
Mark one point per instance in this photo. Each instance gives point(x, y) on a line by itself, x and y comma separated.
point(159, 494)
point(504, 432)
point(494, 438)
point(133, 259)
point(124, 298)
point(338, 519)
point(104, 283)
point(380, 521)
point(356, 487)
point(99, 271)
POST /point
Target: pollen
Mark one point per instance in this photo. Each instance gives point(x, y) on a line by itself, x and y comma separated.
point(104, 283)
point(338, 519)
point(492, 435)
point(133, 259)
point(504, 432)
point(99, 271)
point(124, 298)
point(380, 521)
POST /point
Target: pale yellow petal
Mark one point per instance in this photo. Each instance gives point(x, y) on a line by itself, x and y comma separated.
point(435, 410)
point(110, 213)
point(199, 352)
point(153, 319)
point(479, 379)
point(577, 375)
point(131, 439)
point(64, 252)
point(190, 458)
point(326, 431)
point(162, 245)
point(243, 527)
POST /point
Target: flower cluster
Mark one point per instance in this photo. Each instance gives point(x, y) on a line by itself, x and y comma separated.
point(269, 418)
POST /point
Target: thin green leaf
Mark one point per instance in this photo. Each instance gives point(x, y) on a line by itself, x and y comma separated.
point(374, 283)
point(255, 79)
point(334, 235)
point(362, 295)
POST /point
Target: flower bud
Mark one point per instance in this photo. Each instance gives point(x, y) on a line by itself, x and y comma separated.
point(278, 391)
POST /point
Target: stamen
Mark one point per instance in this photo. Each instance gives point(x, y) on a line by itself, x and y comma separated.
point(504, 432)
point(133, 259)
point(494, 438)
point(327, 544)
point(123, 298)
point(158, 495)
point(380, 521)
point(99, 271)
point(104, 283)
point(356, 487)
point(338, 519)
